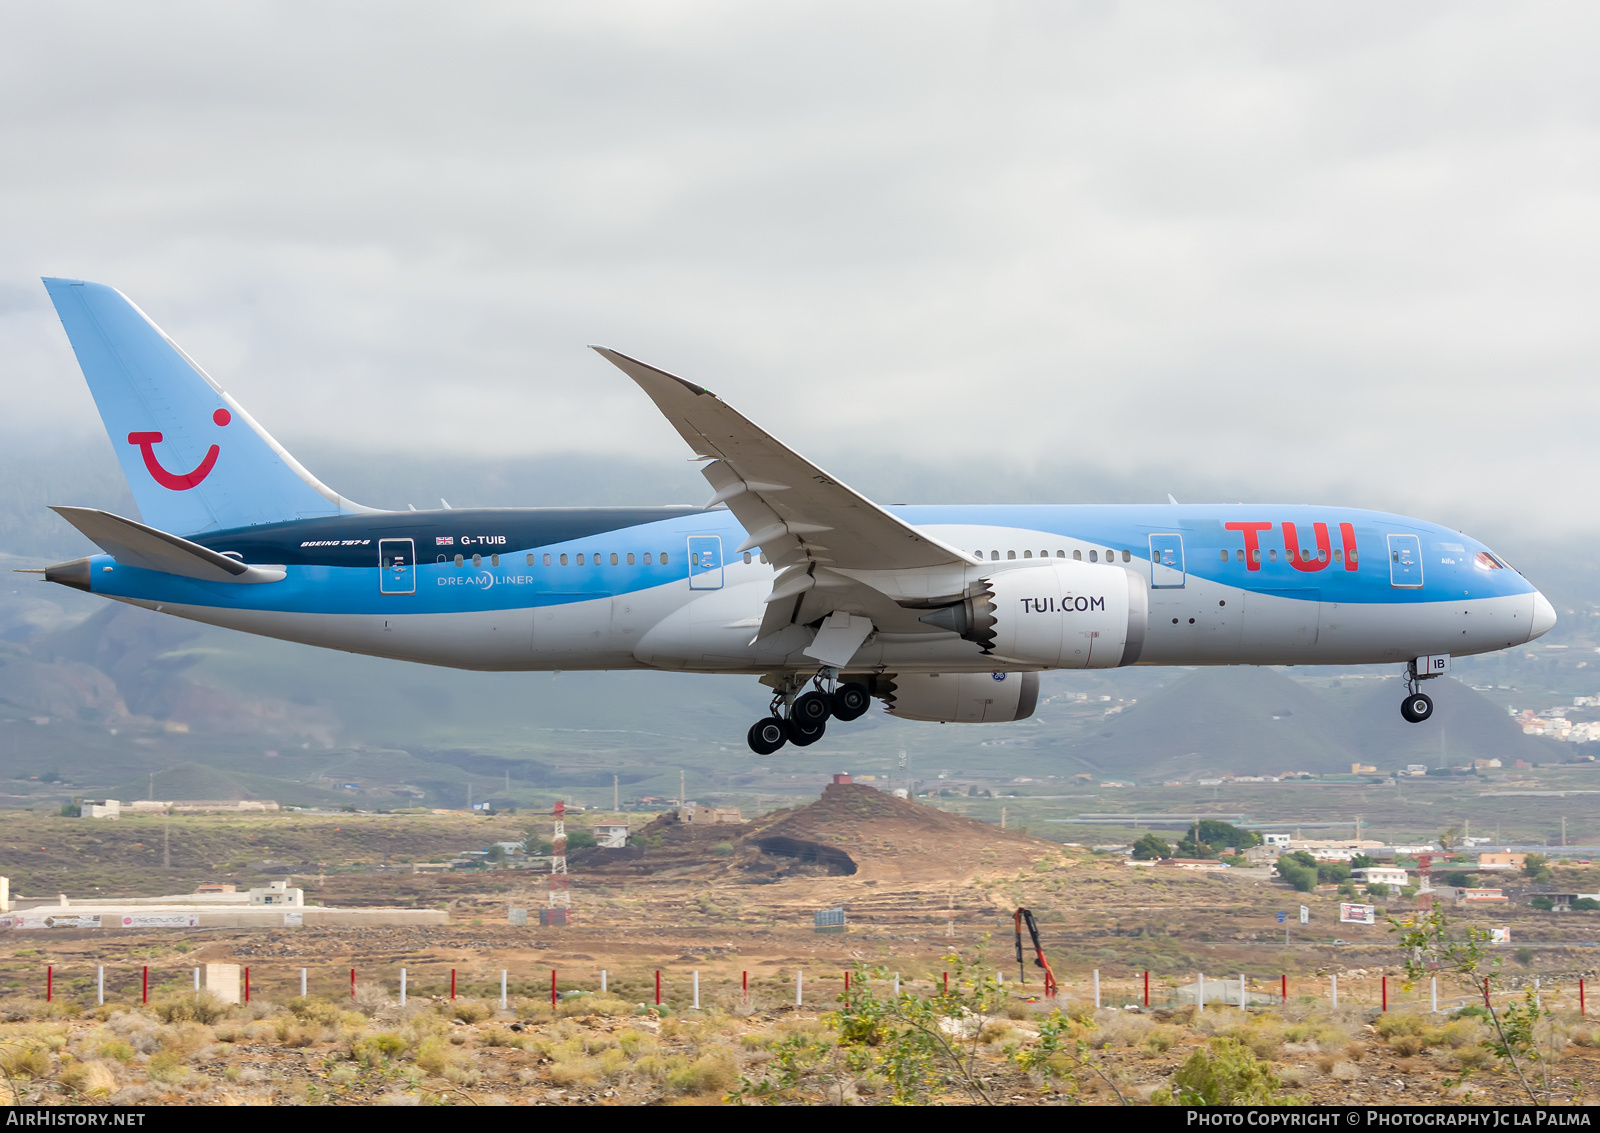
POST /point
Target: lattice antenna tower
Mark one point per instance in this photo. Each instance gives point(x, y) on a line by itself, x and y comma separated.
point(560, 883)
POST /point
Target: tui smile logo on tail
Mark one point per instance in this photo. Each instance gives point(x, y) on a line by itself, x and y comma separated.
point(178, 481)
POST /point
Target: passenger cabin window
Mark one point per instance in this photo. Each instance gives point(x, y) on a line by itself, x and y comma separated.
point(580, 559)
point(1273, 555)
point(1338, 555)
point(630, 558)
point(1094, 556)
point(1255, 555)
point(595, 558)
point(1061, 554)
point(1238, 555)
point(1111, 556)
point(613, 558)
point(460, 560)
point(477, 560)
point(494, 560)
point(1224, 556)
point(1011, 554)
point(1127, 556)
point(1027, 554)
point(993, 555)
point(563, 560)
point(1078, 555)
point(747, 558)
point(663, 558)
point(547, 559)
point(647, 558)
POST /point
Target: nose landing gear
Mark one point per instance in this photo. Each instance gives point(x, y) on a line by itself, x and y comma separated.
point(806, 718)
point(1417, 706)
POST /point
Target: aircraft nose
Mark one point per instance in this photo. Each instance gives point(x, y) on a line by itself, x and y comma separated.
point(1544, 616)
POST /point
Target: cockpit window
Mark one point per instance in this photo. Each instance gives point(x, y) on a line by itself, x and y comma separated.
point(1486, 561)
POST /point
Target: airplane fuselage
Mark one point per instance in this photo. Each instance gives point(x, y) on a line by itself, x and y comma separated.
point(665, 588)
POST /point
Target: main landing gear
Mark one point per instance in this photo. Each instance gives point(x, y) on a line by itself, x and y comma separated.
point(807, 717)
point(1417, 706)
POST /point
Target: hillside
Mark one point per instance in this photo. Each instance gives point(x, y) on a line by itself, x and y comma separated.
point(1253, 721)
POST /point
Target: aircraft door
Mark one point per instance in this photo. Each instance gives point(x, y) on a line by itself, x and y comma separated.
point(1405, 562)
point(705, 562)
point(1166, 562)
point(397, 566)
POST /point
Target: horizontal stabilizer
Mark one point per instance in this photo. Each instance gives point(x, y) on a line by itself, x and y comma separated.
point(134, 544)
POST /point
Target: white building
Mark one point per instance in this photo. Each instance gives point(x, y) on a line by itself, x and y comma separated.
point(611, 835)
point(1383, 875)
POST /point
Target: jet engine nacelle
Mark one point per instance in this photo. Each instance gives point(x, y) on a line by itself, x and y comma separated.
point(1068, 615)
point(964, 698)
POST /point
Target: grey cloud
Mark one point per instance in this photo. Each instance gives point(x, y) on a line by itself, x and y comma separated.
point(1332, 252)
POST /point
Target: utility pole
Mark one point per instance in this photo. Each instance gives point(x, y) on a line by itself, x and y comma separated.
point(166, 841)
point(616, 797)
point(681, 795)
point(151, 796)
point(1002, 818)
point(1563, 830)
point(469, 794)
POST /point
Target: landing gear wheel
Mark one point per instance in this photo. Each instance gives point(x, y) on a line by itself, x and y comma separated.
point(851, 700)
point(767, 736)
point(812, 708)
point(802, 734)
point(1417, 707)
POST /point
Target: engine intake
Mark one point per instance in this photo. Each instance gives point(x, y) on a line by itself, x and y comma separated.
point(1068, 615)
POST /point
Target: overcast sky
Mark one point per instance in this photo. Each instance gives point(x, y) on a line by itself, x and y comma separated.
point(1344, 253)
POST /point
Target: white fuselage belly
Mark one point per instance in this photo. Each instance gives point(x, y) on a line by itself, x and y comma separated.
point(671, 627)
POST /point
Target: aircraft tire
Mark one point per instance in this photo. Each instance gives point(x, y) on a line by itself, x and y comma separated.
point(802, 734)
point(812, 708)
point(1417, 707)
point(851, 701)
point(767, 736)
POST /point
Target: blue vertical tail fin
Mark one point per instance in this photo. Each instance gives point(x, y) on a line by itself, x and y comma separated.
point(196, 461)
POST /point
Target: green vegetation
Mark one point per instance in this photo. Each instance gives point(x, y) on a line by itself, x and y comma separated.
point(1151, 848)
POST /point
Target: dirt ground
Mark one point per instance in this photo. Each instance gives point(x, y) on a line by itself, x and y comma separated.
point(731, 907)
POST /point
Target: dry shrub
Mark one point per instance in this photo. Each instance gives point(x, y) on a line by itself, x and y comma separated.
point(199, 1007)
point(375, 1049)
point(185, 1039)
point(1345, 1071)
point(1407, 1045)
point(24, 1061)
point(167, 1067)
point(1162, 1038)
point(1473, 1057)
point(28, 1010)
point(1465, 1032)
point(708, 1074)
point(499, 1036)
point(370, 999)
point(458, 1075)
point(90, 1079)
point(435, 1055)
point(313, 1010)
point(1584, 1037)
point(471, 1010)
point(995, 1030)
point(1017, 1009)
point(297, 1034)
point(1355, 1052)
point(1400, 1023)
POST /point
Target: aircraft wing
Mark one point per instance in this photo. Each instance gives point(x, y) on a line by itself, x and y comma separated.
point(826, 539)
